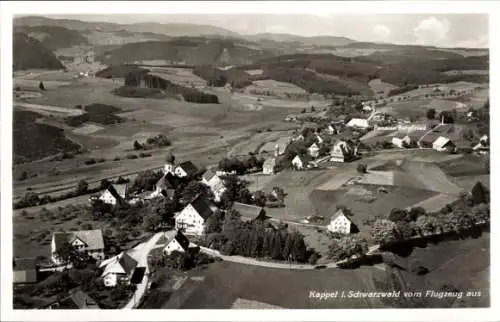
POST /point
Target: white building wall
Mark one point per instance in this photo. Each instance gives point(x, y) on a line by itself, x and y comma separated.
point(190, 221)
point(108, 198)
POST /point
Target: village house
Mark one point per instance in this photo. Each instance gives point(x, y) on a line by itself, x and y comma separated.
point(302, 162)
point(367, 107)
point(176, 241)
point(401, 140)
point(118, 269)
point(331, 130)
point(165, 187)
point(269, 166)
point(185, 169)
point(281, 145)
point(215, 183)
point(75, 299)
point(313, 150)
point(358, 123)
point(115, 193)
point(318, 138)
point(443, 144)
point(342, 151)
point(191, 220)
point(341, 223)
point(298, 137)
point(89, 242)
point(25, 271)
point(249, 212)
point(483, 146)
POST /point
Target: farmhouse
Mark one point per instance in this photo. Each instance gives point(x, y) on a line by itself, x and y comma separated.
point(367, 107)
point(299, 137)
point(443, 144)
point(25, 271)
point(483, 146)
point(319, 139)
point(118, 269)
point(90, 242)
point(330, 129)
point(185, 169)
point(176, 241)
point(302, 161)
point(115, 193)
point(313, 150)
point(358, 123)
point(215, 183)
point(401, 140)
point(342, 151)
point(191, 220)
point(249, 212)
point(340, 223)
point(165, 187)
point(269, 166)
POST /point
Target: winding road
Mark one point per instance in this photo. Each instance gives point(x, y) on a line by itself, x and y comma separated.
point(140, 253)
point(255, 262)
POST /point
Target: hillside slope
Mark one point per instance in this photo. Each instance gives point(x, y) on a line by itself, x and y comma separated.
point(54, 37)
point(186, 50)
point(30, 53)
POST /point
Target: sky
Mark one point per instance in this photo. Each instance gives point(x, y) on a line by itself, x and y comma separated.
point(443, 30)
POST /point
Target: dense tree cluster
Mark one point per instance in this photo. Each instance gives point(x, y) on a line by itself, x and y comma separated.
point(253, 239)
point(346, 247)
point(151, 81)
point(401, 90)
point(240, 165)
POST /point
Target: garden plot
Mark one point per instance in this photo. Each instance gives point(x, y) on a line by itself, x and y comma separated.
point(49, 109)
point(275, 87)
point(436, 203)
point(432, 176)
point(380, 87)
point(257, 181)
point(181, 76)
point(254, 72)
point(87, 129)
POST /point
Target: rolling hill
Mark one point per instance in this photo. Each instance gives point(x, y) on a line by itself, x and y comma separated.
point(170, 29)
point(30, 53)
point(306, 41)
point(54, 37)
point(186, 50)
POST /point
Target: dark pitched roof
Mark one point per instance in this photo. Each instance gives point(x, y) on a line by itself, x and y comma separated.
point(168, 181)
point(189, 168)
point(182, 240)
point(82, 300)
point(248, 211)
point(138, 275)
point(25, 270)
point(113, 190)
point(60, 238)
point(25, 263)
point(209, 174)
point(128, 263)
point(202, 206)
point(305, 158)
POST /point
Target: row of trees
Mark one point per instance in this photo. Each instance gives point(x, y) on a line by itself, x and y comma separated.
point(31, 198)
point(471, 210)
